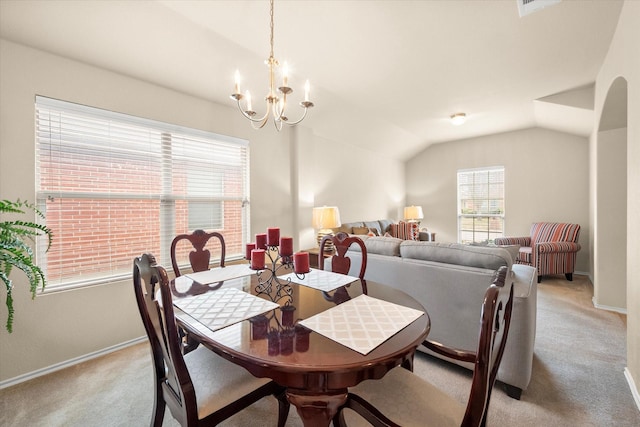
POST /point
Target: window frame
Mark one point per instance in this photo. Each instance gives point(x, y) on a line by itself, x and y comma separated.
point(487, 214)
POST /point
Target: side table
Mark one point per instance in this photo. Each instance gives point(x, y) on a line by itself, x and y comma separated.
point(314, 256)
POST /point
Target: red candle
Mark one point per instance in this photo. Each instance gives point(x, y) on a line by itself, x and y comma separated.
point(301, 262)
point(250, 247)
point(286, 246)
point(257, 259)
point(273, 236)
point(261, 241)
point(286, 315)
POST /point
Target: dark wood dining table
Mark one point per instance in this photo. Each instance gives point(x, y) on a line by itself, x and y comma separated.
point(316, 370)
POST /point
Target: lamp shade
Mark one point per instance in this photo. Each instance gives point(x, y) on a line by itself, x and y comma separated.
point(326, 217)
point(413, 212)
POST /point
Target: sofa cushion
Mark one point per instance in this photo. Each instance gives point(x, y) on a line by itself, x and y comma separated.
point(456, 253)
point(384, 225)
point(375, 225)
point(380, 245)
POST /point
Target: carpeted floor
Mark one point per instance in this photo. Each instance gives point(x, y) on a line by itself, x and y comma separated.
point(578, 378)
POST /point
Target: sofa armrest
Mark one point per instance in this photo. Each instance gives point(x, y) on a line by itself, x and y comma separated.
point(557, 247)
point(522, 241)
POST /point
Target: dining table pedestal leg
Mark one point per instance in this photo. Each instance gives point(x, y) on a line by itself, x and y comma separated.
point(316, 410)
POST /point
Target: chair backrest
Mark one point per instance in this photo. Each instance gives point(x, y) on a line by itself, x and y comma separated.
point(173, 383)
point(494, 329)
point(554, 232)
point(340, 262)
point(199, 257)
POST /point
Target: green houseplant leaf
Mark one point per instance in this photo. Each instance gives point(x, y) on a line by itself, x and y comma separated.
point(16, 253)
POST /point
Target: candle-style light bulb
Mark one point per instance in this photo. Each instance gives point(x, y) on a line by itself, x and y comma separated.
point(237, 81)
point(248, 96)
point(285, 74)
point(306, 91)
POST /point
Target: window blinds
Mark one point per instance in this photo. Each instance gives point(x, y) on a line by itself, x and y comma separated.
point(113, 186)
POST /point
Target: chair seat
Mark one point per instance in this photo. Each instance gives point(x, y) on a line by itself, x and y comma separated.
point(404, 398)
point(218, 382)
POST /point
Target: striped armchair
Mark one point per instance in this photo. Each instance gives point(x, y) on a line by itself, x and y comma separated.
point(551, 248)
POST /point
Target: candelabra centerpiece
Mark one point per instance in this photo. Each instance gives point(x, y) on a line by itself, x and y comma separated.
point(270, 256)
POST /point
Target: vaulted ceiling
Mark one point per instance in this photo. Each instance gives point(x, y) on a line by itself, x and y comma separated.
point(385, 74)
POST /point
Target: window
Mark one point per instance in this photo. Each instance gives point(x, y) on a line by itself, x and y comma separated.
point(480, 205)
point(113, 186)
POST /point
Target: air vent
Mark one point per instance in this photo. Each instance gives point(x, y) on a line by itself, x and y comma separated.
point(526, 7)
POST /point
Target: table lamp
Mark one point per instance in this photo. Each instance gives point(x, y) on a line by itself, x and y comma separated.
point(413, 214)
point(325, 218)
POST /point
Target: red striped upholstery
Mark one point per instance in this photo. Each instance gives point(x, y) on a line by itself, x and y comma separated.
point(405, 230)
point(551, 247)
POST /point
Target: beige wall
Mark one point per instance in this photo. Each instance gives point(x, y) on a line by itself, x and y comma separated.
point(546, 179)
point(55, 328)
point(362, 183)
point(610, 221)
point(623, 60)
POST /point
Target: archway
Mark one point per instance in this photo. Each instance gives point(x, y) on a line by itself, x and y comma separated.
point(610, 246)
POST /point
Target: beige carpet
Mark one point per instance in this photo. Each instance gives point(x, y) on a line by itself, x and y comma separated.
point(578, 378)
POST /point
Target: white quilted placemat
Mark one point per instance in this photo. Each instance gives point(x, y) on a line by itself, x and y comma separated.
point(362, 323)
point(223, 307)
point(220, 274)
point(321, 279)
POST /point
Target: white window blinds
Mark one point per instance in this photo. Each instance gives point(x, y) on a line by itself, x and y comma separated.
point(113, 186)
point(480, 205)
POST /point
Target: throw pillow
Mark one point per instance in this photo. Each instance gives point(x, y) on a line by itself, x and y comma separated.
point(360, 230)
point(405, 230)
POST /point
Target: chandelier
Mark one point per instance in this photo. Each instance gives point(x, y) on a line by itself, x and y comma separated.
point(276, 100)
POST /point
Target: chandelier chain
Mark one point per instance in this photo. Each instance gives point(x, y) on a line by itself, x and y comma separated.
point(271, 27)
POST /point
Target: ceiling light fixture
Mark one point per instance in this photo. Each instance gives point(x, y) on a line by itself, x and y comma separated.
point(275, 105)
point(458, 118)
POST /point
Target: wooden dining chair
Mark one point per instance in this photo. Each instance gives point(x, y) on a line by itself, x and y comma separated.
point(200, 388)
point(401, 398)
point(340, 262)
point(200, 257)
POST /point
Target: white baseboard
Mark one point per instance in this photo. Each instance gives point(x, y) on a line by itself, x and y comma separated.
point(58, 366)
point(607, 307)
point(632, 386)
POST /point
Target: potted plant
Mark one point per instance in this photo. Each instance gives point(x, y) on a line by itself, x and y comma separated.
point(15, 252)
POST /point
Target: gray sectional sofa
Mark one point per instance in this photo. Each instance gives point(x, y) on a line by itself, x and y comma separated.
point(450, 280)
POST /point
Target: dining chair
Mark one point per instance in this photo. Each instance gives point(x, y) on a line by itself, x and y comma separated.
point(340, 262)
point(200, 257)
point(200, 388)
point(402, 398)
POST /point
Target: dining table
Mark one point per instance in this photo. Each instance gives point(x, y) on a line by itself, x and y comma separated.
point(284, 339)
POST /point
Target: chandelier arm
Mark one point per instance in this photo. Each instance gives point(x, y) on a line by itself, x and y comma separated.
point(278, 124)
point(262, 119)
point(279, 114)
point(300, 119)
point(259, 125)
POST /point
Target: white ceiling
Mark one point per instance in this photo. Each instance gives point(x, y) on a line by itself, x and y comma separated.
point(385, 74)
